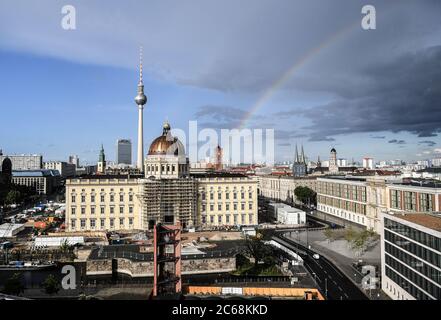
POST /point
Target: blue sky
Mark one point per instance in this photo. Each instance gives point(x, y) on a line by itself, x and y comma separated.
point(366, 93)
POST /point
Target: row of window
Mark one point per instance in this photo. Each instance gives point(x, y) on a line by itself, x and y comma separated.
point(102, 198)
point(406, 285)
point(346, 191)
point(227, 195)
point(73, 210)
point(414, 248)
point(414, 234)
point(93, 223)
point(428, 286)
point(226, 219)
point(342, 214)
point(413, 262)
point(165, 168)
point(425, 200)
point(227, 207)
point(343, 204)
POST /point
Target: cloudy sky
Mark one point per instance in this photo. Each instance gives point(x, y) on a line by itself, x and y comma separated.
point(305, 68)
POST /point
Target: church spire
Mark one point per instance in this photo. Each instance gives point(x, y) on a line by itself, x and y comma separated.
point(296, 159)
point(303, 156)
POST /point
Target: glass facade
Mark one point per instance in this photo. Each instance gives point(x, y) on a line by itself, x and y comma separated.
point(413, 260)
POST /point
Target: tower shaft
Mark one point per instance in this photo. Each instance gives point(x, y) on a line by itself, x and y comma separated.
point(140, 162)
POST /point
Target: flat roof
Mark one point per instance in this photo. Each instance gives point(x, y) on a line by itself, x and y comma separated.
point(426, 220)
point(218, 175)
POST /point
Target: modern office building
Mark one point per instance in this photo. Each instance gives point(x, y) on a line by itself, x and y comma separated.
point(42, 181)
point(124, 151)
point(411, 256)
point(24, 162)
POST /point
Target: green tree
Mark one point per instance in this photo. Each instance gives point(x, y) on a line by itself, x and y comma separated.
point(305, 195)
point(13, 285)
point(256, 248)
point(329, 234)
point(13, 196)
point(51, 285)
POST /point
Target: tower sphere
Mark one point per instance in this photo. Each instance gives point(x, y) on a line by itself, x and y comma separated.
point(141, 99)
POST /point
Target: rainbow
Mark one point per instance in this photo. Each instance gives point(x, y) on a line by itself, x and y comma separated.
point(276, 85)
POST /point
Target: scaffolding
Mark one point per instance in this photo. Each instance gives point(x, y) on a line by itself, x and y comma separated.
point(169, 201)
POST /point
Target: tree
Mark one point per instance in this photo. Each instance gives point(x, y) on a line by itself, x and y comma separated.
point(257, 249)
point(305, 195)
point(51, 285)
point(329, 234)
point(13, 196)
point(13, 285)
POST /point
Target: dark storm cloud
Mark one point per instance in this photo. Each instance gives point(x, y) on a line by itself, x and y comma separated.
point(395, 141)
point(400, 95)
point(429, 143)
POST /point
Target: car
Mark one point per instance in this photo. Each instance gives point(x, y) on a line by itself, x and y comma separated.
point(316, 256)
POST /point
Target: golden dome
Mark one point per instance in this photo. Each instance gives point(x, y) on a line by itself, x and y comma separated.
point(166, 144)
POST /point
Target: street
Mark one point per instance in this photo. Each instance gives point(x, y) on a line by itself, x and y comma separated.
point(333, 284)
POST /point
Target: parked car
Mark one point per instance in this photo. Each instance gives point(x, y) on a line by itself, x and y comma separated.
point(316, 256)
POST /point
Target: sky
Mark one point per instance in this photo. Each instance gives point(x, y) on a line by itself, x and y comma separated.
point(305, 68)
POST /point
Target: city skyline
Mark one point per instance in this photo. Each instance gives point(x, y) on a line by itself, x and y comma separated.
point(322, 89)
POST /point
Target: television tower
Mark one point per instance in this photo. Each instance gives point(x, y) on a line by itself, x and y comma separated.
point(140, 100)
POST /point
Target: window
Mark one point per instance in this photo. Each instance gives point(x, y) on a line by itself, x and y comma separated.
point(130, 209)
point(73, 199)
point(250, 195)
point(102, 210)
point(92, 198)
point(102, 198)
point(121, 210)
point(203, 208)
point(250, 206)
point(83, 210)
point(92, 210)
point(112, 198)
point(219, 207)
point(211, 219)
point(211, 196)
point(92, 223)
point(72, 211)
point(83, 198)
point(235, 196)
point(112, 222)
point(72, 223)
point(242, 206)
point(131, 221)
point(219, 219)
point(130, 197)
point(235, 207)
point(211, 207)
point(83, 223)
point(227, 219)
point(112, 210)
point(121, 222)
point(219, 196)
point(204, 219)
point(121, 198)
point(227, 196)
point(103, 223)
point(227, 206)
